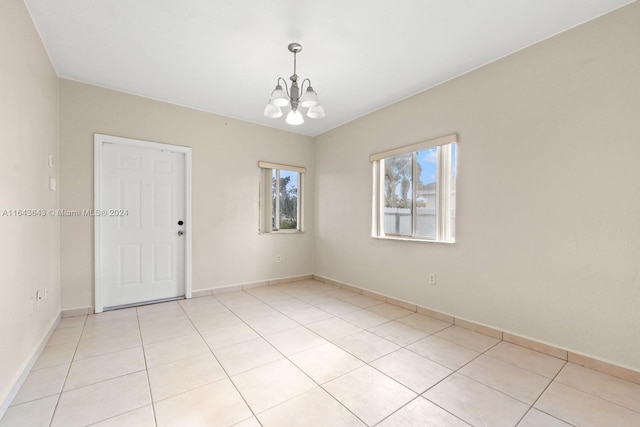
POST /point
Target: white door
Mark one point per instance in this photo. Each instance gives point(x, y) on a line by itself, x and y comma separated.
point(141, 224)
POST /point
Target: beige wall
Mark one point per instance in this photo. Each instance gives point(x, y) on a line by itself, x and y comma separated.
point(548, 229)
point(29, 246)
point(227, 248)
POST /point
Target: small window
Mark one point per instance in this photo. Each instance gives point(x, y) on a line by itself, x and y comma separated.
point(280, 198)
point(415, 191)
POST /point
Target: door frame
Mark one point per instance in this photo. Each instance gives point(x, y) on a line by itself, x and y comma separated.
point(98, 143)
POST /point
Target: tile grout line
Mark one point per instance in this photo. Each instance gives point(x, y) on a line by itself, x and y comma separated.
point(218, 361)
point(66, 377)
point(146, 370)
point(365, 363)
point(269, 303)
point(542, 393)
point(418, 395)
point(297, 367)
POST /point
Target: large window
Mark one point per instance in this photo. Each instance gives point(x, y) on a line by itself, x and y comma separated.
point(280, 197)
point(414, 191)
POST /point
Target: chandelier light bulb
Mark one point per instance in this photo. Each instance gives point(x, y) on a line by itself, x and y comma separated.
point(272, 111)
point(294, 118)
point(316, 112)
point(310, 98)
point(279, 98)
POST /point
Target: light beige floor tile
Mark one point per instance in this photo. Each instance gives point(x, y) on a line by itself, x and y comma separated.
point(308, 315)
point(208, 308)
point(366, 346)
point(246, 355)
point(98, 346)
point(55, 355)
point(412, 370)
point(237, 299)
point(177, 377)
point(616, 390)
point(288, 304)
point(476, 403)
point(316, 298)
point(444, 352)
point(363, 301)
point(154, 308)
point(250, 422)
point(36, 413)
point(390, 311)
point(108, 346)
point(539, 363)
point(582, 409)
point(420, 412)
point(267, 293)
point(370, 395)
point(269, 385)
point(424, 323)
point(162, 318)
point(467, 338)
point(98, 402)
point(313, 408)
point(111, 315)
point(255, 312)
point(338, 307)
point(192, 302)
point(296, 289)
point(333, 328)
point(535, 418)
point(398, 333)
point(318, 286)
point(174, 349)
point(325, 362)
point(42, 383)
point(70, 322)
point(295, 340)
point(216, 404)
point(268, 325)
point(364, 318)
point(142, 417)
point(228, 335)
point(341, 293)
point(104, 367)
point(211, 322)
point(160, 332)
point(118, 326)
point(514, 381)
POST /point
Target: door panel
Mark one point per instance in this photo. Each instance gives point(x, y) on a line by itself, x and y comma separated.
point(142, 254)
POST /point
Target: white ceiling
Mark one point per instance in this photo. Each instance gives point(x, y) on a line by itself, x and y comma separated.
point(225, 56)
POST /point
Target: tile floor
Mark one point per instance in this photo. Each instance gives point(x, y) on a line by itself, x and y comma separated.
point(303, 354)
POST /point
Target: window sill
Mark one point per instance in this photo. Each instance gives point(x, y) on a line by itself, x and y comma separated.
point(412, 239)
point(281, 232)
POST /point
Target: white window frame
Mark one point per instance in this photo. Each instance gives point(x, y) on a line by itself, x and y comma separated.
point(266, 172)
point(445, 230)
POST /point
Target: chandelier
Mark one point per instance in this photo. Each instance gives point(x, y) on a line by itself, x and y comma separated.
point(291, 97)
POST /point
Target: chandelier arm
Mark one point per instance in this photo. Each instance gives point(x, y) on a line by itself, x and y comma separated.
point(286, 89)
point(302, 85)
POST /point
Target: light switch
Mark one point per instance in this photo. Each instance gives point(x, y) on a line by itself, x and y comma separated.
point(52, 183)
point(50, 160)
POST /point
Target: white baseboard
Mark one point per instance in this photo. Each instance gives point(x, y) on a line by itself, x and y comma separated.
point(27, 367)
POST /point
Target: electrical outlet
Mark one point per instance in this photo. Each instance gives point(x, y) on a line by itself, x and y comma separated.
point(278, 258)
point(432, 279)
point(38, 298)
